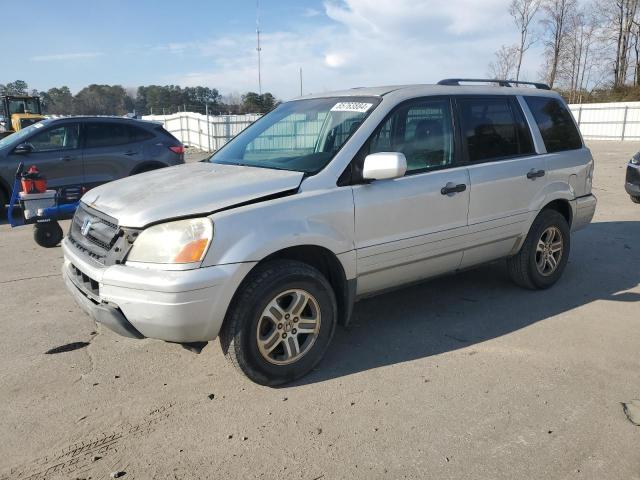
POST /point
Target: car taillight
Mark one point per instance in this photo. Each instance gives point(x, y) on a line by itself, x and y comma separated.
point(179, 150)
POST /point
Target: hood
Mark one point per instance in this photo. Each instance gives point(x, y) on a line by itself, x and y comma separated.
point(184, 190)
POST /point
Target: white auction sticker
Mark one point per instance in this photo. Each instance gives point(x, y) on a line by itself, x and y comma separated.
point(351, 107)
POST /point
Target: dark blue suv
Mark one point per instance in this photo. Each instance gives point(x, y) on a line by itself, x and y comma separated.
point(79, 153)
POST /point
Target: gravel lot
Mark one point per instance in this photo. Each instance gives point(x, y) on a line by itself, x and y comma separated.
point(466, 376)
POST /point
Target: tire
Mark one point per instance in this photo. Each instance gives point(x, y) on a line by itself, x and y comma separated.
point(248, 328)
point(525, 267)
point(47, 235)
point(635, 199)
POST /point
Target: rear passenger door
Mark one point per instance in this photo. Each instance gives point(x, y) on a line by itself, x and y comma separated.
point(508, 177)
point(111, 151)
point(409, 228)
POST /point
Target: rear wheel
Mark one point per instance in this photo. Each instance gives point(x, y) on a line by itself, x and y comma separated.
point(47, 235)
point(280, 322)
point(545, 252)
point(635, 199)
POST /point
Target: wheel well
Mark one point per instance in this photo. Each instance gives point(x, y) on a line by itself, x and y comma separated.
point(147, 166)
point(562, 207)
point(327, 263)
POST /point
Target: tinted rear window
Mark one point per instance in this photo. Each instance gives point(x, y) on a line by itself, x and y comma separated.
point(493, 128)
point(556, 125)
point(161, 130)
point(112, 133)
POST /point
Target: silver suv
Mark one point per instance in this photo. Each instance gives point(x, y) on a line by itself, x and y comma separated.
point(325, 200)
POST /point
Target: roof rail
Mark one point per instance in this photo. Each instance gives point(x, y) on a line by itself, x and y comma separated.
point(502, 83)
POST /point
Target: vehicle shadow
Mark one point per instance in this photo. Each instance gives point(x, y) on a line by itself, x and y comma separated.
point(458, 311)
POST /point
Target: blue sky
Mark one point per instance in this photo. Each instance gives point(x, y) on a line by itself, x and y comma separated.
point(337, 43)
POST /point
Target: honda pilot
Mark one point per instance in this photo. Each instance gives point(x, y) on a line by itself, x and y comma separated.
point(325, 200)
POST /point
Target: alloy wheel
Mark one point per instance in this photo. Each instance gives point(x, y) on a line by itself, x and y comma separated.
point(549, 251)
point(288, 327)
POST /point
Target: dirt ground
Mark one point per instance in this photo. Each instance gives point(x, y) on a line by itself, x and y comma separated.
point(466, 377)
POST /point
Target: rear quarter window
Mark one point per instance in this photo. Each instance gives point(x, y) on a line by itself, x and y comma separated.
point(555, 123)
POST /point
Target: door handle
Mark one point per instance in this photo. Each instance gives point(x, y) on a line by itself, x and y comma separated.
point(452, 188)
point(130, 153)
point(66, 158)
point(533, 174)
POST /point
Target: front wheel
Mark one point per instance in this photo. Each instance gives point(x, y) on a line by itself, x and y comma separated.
point(545, 252)
point(635, 199)
point(280, 322)
point(48, 234)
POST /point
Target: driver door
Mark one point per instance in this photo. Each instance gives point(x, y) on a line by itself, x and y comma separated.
point(408, 228)
point(57, 154)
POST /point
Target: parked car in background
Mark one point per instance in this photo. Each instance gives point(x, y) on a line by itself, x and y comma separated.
point(76, 154)
point(632, 181)
point(327, 199)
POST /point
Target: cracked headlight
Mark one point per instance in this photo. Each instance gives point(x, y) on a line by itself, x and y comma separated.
point(182, 241)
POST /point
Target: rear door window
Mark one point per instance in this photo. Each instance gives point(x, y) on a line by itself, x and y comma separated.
point(556, 125)
point(493, 128)
point(106, 134)
point(137, 134)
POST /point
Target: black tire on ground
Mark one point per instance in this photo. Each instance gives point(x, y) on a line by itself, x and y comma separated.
point(47, 235)
point(523, 268)
point(239, 334)
point(635, 199)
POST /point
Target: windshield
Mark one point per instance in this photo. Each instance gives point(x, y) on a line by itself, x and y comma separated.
point(23, 105)
point(302, 135)
point(20, 135)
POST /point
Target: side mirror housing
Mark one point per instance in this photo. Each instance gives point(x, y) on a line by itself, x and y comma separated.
point(23, 148)
point(384, 165)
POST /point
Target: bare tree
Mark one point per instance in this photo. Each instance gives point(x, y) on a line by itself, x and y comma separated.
point(505, 64)
point(636, 48)
point(523, 12)
point(624, 17)
point(576, 55)
point(555, 18)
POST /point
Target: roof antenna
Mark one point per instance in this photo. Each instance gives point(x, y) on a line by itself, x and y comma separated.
point(258, 48)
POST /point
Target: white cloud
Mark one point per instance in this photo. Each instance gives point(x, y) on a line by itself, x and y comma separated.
point(366, 42)
point(57, 57)
point(335, 59)
point(311, 12)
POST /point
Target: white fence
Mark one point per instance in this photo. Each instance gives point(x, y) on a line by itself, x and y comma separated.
point(608, 121)
point(204, 132)
point(597, 121)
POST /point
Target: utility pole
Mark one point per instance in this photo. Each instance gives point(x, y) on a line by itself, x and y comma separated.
point(300, 81)
point(258, 48)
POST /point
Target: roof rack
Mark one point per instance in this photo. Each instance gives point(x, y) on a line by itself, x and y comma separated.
point(502, 83)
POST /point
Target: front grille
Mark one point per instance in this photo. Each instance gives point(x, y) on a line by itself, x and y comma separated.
point(633, 175)
point(85, 280)
point(93, 232)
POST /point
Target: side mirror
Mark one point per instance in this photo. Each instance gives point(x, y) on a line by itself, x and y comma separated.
point(384, 165)
point(23, 148)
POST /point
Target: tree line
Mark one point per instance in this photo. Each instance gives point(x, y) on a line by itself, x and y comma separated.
point(145, 100)
point(591, 49)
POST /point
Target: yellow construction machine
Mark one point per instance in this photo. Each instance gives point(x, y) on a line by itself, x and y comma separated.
point(18, 112)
